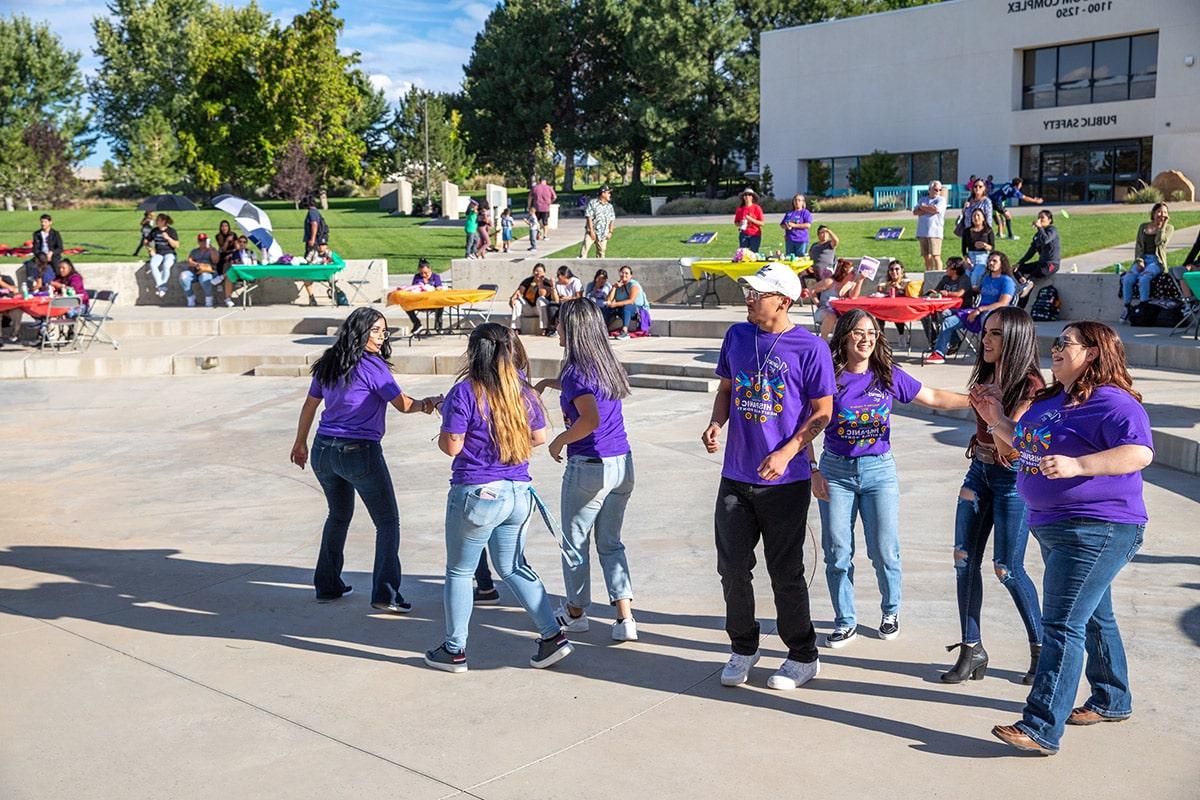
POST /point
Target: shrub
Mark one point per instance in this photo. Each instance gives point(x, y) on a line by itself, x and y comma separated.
point(476, 183)
point(877, 169)
point(818, 178)
point(685, 206)
point(851, 202)
point(1178, 196)
point(633, 199)
point(1144, 194)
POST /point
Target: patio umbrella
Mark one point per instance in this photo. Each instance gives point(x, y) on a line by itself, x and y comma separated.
point(166, 202)
point(253, 220)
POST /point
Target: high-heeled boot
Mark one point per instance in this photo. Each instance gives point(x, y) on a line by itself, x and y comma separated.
point(1035, 652)
point(972, 663)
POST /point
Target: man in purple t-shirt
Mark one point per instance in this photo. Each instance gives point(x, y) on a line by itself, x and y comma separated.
point(541, 197)
point(776, 393)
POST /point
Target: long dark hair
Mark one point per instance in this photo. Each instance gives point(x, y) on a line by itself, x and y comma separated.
point(1107, 369)
point(1018, 357)
point(587, 352)
point(880, 362)
point(337, 364)
point(492, 369)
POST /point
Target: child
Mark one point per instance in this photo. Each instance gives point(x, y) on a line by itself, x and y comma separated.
point(471, 227)
point(532, 220)
point(506, 226)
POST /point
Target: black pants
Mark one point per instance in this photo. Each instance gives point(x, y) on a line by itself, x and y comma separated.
point(437, 319)
point(778, 514)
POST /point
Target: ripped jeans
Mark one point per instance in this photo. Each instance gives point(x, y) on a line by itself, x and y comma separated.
point(988, 500)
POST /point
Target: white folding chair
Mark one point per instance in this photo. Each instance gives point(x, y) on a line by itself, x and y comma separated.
point(357, 284)
point(59, 326)
point(473, 316)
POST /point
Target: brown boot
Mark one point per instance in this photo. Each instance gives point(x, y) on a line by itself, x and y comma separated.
point(1085, 716)
point(1014, 736)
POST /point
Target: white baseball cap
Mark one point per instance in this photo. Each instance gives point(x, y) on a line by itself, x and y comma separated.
point(776, 278)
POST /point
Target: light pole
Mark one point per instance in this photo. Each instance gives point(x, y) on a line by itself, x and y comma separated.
point(428, 191)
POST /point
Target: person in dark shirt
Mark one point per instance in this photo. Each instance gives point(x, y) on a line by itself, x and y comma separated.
point(49, 241)
point(955, 283)
point(316, 233)
point(1047, 248)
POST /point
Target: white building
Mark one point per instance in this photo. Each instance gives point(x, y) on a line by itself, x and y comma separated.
point(1080, 97)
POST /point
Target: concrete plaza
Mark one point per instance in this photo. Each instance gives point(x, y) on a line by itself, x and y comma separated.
point(161, 640)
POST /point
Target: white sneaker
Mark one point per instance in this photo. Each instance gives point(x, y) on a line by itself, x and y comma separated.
point(625, 630)
point(738, 669)
point(573, 624)
point(228, 303)
point(794, 673)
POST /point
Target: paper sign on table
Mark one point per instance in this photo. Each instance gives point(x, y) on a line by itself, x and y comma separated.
point(867, 267)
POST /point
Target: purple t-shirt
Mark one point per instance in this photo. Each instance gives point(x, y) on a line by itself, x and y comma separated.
point(798, 217)
point(356, 410)
point(862, 413)
point(479, 460)
point(434, 279)
point(609, 437)
point(773, 390)
point(1109, 418)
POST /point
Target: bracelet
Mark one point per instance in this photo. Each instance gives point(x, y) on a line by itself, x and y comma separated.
point(714, 422)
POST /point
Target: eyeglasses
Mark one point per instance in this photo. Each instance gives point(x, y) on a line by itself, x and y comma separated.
point(753, 295)
point(384, 332)
point(1060, 343)
point(863, 336)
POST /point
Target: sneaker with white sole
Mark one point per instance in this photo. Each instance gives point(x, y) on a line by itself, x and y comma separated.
point(624, 630)
point(551, 651)
point(841, 637)
point(446, 661)
point(792, 674)
point(935, 358)
point(397, 606)
point(573, 624)
point(889, 627)
point(737, 669)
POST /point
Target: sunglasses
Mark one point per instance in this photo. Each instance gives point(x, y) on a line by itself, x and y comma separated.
point(753, 295)
point(1060, 343)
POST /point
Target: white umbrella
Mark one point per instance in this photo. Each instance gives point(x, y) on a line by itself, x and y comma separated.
point(254, 221)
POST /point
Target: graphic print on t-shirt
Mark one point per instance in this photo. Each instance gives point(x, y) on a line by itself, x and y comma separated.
point(864, 424)
point(1033, 441)
point(760, 397)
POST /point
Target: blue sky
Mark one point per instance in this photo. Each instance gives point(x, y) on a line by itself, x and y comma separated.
point(402, 42)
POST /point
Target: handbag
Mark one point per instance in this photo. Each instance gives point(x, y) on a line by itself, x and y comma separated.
point(960, 226)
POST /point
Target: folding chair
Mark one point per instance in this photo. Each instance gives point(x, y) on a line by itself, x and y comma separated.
point(1191, 306)
point(93, 318)
point(357, 284)
point(469, 314)
point(54, 326)
point(690, 282)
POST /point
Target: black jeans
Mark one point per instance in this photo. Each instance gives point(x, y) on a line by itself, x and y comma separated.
point(778, 514)
point(483, 575)
point(344, 466)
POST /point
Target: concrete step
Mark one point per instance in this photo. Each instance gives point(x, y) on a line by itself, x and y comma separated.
point(674, 384)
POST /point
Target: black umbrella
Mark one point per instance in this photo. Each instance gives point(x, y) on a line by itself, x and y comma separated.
point(166, 202)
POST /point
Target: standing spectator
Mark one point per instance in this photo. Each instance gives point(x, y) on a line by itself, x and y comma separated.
point(795, 225)
point(978, 241)
point(483, 229)
point(201, 266)
point(531, 220)
point(425, 276)
point(601, 219)
point(49, 241)
point(931, 222)
point(541, 197)
point(316, 233)
point(977, 198)
point(990, 183)
point(749, 221)
point(532, 295)
point(1009, 193)
point(226, 241)
point(1048, 250)
point(783, 400)
point(147, 227)
point(163, 243)
point(1149, 256)
point(471, 228)
point(506, 228)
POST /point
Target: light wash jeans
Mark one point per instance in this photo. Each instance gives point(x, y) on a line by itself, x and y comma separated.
point(160, 268)
point(1083, 556)
point(1140, 279)
point(865, 486)
point(978, 260)
point(798, 249)
point(595, 492)
point(205, 279)
point(496, 516)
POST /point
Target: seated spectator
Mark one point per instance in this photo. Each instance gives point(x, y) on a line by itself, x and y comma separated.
point(68, 278)
point(242, 254)
point(8, 289)
point(1047, 248)
point(597, 290)
point(10, 319)
point(163, 243)
point(532, 296)
point(201, 266)
point(626, 299)
point(997, 290)
point(38, 274)
point(955, 283)
point(845, 281)
point(566, 287)
point(894, 285)
point(425, 276)
point(823, 255)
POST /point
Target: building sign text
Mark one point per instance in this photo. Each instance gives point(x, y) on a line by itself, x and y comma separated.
point(1100, 121)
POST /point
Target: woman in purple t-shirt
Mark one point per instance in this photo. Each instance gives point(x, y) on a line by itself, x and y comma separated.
point(491, 421)
point(1083, 444)
point(857, 473)
point(355, 381)
point(796, 224)
point(599, 477)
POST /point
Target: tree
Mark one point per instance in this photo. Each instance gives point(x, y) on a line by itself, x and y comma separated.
point(55, 179)
point(150, 164)
point(818, 178)
point(370, 122)
point(293, 179)
point(448, 158)
point(40, 81)
point(19, 172)
point(876, 169)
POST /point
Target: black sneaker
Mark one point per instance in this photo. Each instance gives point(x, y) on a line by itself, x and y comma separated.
point(397, 606)
point(551, 651)
point(840, 637)
point(329, 598)
point(889, 627)
point(486, 597)
point(443, 659)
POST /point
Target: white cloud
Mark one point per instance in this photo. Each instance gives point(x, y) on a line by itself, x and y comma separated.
point(393, 90)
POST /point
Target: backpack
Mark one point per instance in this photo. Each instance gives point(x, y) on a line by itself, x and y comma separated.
point(322, 231)
point(1046, 306)
point(1163, 286)
point(1157, 313)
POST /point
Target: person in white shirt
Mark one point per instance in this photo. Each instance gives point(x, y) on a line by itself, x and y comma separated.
point(931, 221)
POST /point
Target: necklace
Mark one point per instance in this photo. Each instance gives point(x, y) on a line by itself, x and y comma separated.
point(759, 364)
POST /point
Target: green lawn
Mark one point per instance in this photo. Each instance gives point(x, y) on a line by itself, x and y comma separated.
point(1082, 233)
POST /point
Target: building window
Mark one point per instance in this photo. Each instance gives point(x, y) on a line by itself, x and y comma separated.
point(914, 168)
point(1102, 71)
point(1086, 172)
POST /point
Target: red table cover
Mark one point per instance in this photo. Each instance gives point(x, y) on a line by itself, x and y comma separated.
point(897, 309)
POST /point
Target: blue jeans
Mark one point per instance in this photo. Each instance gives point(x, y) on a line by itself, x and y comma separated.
point(493, 515)
point(865, 486)
point(472, 243)
point(950, 332)
point(1140, 279)
point(978, 261)
point(748, 241)
point(996, 505)
point(1083, 556)
point(798, 249)
point(343, 467)
point(595, 492)
point(187, 277)
point(160, 268)
point(626, 313)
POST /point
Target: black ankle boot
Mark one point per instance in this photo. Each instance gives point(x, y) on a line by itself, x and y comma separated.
point(972, 662)
point(1035, 652)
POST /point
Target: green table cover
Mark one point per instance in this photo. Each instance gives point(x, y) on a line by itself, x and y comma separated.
point(294, 272)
